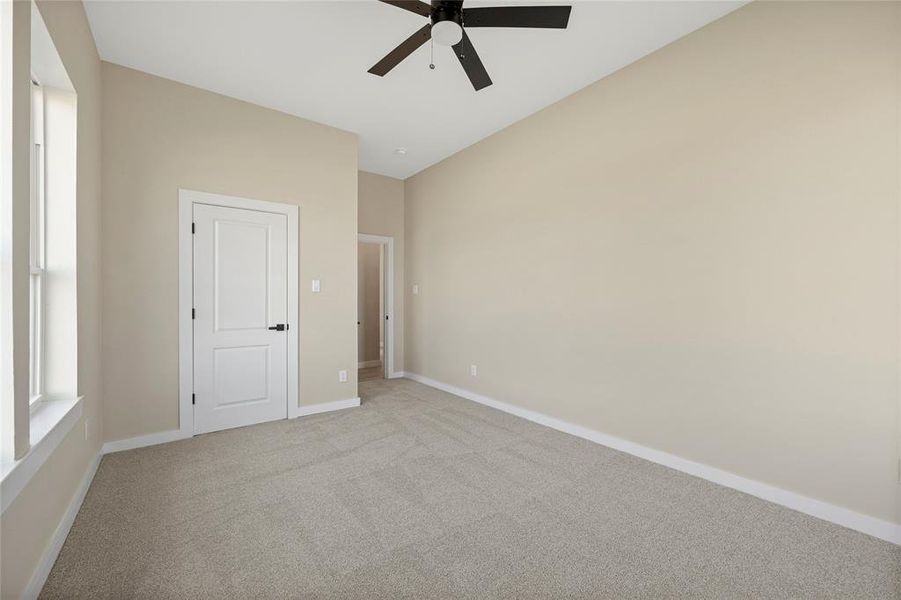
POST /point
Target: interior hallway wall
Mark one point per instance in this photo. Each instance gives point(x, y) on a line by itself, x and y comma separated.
point(381, 212)
point(370, 289)
point(698, 253)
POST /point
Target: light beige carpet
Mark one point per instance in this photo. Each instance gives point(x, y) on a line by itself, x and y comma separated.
point(420, 494)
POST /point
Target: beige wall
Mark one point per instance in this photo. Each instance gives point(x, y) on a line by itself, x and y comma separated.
point(369, 288)
point(28, 523)
point(159, 136)
point(698, 253)
point(381, 212)
point(15, 290)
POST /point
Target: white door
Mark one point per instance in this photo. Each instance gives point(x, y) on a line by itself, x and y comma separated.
point(240, 317)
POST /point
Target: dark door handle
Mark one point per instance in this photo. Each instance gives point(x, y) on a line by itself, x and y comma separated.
point(279, 327)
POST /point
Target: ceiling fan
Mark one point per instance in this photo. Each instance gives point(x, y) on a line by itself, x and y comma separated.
point(447, 27)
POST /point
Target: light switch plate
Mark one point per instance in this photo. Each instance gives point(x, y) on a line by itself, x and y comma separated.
point(342, 375)
point(415, 289)
point(316, 286)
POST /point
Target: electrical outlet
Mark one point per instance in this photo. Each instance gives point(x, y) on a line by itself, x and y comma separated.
point(342, 375)
point(415, 289)
point(316, 286)
point(474, 370)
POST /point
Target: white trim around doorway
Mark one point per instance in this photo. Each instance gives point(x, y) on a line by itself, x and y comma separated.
point(388, 242)
point(186, 201)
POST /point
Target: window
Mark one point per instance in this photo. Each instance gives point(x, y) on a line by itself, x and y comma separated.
point(37, 251)
point(50, 256)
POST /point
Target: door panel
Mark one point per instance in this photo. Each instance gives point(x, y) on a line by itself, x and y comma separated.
point(241, 263)
point(241, 375)
point(240, 290)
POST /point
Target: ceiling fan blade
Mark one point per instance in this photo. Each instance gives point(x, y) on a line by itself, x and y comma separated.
point(546, 17)
point(420, 8)
point(405, 49)
point(471, 62)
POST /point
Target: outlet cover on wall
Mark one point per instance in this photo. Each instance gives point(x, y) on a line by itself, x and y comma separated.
point(473, 370)
point(342, 375)
point(415, 289)
point(316, 286)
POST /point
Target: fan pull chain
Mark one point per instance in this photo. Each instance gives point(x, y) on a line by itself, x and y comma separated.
point(432, 54)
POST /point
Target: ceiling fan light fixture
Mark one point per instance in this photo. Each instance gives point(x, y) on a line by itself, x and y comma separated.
point(447, 33)
point(446, 29)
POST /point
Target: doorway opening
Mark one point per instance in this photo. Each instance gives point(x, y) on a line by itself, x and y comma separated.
point(375, 298)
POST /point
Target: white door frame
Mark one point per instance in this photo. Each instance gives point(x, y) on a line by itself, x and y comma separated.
point(388, 242)
point(186, 201)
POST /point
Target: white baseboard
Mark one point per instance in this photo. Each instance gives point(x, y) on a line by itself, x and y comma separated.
point(313, 409)
point(884, 530)
point(164, 437)
point(42, 571)
point(396, 375)
point(369, 363)
point(141, 441)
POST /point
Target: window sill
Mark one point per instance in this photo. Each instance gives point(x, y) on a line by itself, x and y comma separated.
point(51, 421)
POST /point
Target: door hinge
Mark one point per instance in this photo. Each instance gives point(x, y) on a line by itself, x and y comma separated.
point(193, 313)
point(193, 399)
point(192, 228)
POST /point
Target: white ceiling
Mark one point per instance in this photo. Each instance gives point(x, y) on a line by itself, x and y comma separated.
point(310, 59)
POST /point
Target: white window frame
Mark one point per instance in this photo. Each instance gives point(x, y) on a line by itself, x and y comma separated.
point(37, 249)
point(60, 409)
